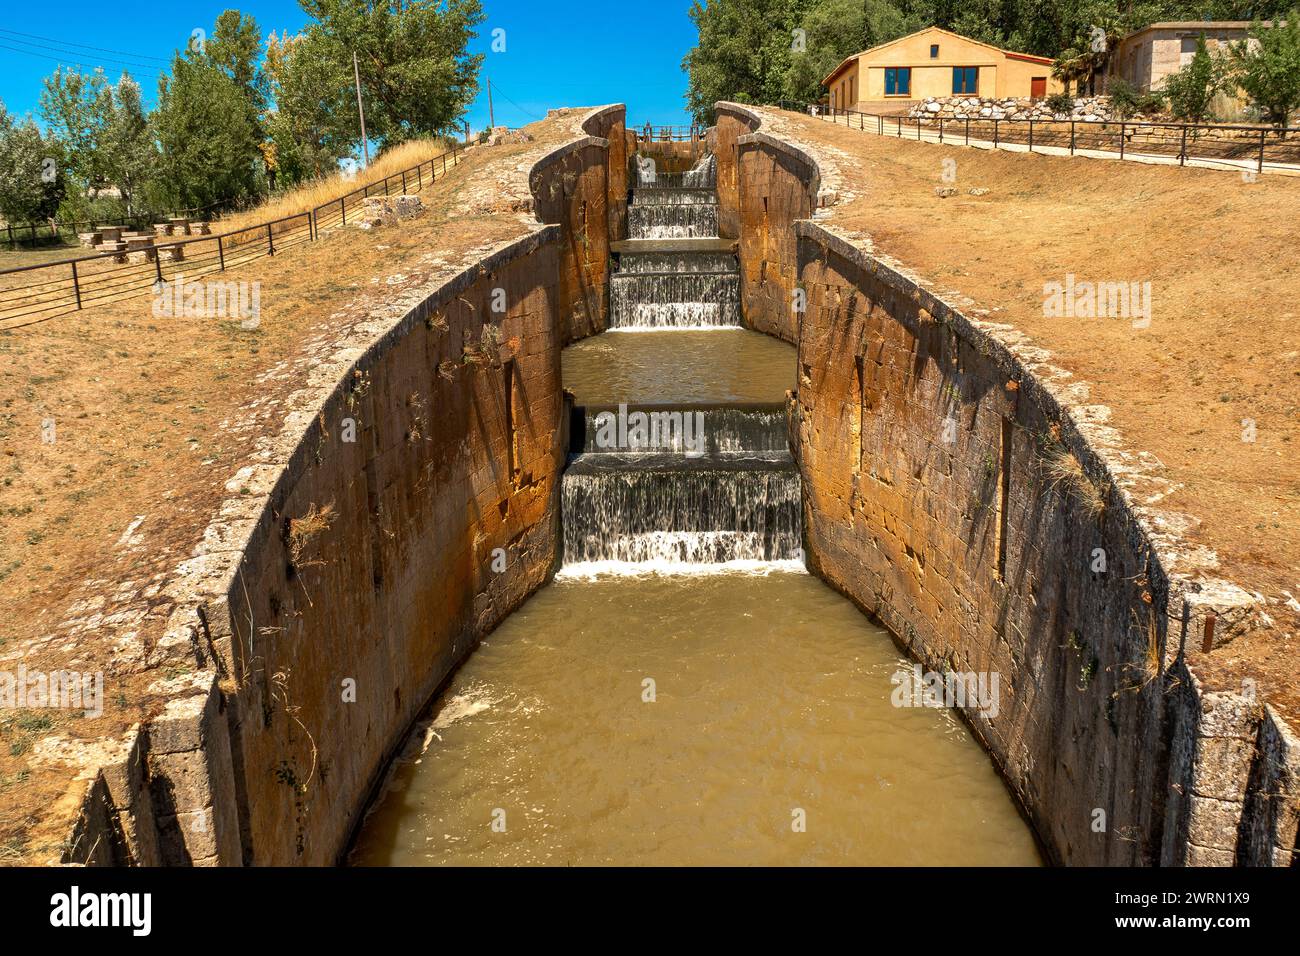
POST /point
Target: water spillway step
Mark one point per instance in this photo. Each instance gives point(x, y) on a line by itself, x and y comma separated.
point(674, 300)
point(673, 509)
point(642, 246)
point(638, 262)
point(673, 197)
point(689, 221)
point(700, 430)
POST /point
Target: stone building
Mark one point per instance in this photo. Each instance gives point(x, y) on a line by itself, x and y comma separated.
point(1145, 57)
point(936, 63)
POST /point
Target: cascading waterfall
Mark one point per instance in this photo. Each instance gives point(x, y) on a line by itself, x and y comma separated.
point(673, 486)
point(686, 286)
point(754, 428)
point(673, 220)
point(669, 509)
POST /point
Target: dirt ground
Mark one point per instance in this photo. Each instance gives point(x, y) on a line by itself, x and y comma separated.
point(141, 408)
point(1221, 354)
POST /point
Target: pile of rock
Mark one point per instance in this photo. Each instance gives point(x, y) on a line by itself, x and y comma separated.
point(386, 210)
point(504, 134)
point(1090, 109)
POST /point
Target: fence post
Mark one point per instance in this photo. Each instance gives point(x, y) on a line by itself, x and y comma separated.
point(76, 286)
point(1182, 150)
point(444, 164)
point(1262, 134)
point(33, 228)
point(1031, 136)
point(343, 208)
point(941, 129)
point(157, 265)
point(419, 179)
point(1121, 139)
point(995, 134)
point(270, 241)
point(221, 255)
point(968, 131)
point(403, 182)
point(881, 124)
point(1071, 137)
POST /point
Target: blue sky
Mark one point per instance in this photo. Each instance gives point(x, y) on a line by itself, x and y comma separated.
point(558, 52)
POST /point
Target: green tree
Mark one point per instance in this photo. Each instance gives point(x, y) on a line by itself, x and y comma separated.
point(77, 108)
point(103, 132)
point(417, 75)
point(745, 52)
point(835, 30)
point(129, 155)
point(32, 179)
point(1191, 89)
point(1268, 69)
point(235, 48)
point(209, 144)
point(314, 122)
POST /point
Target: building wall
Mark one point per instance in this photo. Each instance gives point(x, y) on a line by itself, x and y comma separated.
point(1000, 75)
point(846, 91)
point(1146, 59)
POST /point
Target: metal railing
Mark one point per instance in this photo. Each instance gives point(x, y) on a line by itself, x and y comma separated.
point(68, 285)
point(650, 133)
point(1236, 146)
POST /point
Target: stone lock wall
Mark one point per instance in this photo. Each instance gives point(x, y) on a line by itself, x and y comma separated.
point(964, 550)
point(610, 124)
point(573, 187)
point(407, 506)
point(781, 186)
point(955, 491)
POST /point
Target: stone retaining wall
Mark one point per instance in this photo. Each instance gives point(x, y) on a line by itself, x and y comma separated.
point(958, 488)
point(406, 507)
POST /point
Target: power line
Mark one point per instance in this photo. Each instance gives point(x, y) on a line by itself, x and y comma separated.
point(497, 88)
point(98, 49)
point(66, 58)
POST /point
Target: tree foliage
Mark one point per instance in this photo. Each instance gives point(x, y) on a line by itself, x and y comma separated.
point(209, 144)
point(1191, 89)
point(314, 123)
point(1267, 68)
point(32, 177)
point(417, 75)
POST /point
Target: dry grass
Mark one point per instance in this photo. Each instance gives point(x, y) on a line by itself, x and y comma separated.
point(335, 186)
point(303, 530)
point(1066, 475)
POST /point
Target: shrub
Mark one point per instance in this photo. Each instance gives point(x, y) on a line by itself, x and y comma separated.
point(1060, 102)
point(1123, 97)
point(1191, 89)
point(1269, 74)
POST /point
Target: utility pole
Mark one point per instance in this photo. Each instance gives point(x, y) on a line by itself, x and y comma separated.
point(492, 123)
point(356, 72)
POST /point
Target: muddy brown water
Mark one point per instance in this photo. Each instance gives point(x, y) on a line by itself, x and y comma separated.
point(771, 702)
point(647, 708)
point(714, 365)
